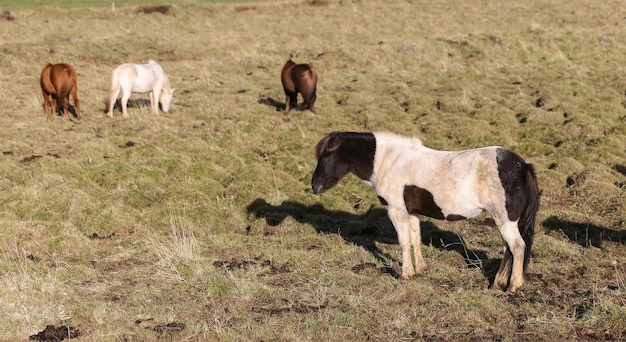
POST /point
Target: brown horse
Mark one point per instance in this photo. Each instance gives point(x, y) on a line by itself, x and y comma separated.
point(57, 82)
point(299, 78)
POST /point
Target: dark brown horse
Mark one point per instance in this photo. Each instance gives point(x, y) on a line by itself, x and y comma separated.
point(299, 78)
point(57, 82)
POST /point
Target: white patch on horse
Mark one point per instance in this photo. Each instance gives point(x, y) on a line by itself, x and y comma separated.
point(461, 183)
point(140, 78)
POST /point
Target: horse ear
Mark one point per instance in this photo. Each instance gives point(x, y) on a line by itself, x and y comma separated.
point(329, 143)
point(334, 142)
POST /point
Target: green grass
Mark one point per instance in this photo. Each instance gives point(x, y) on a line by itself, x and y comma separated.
point(203, 218)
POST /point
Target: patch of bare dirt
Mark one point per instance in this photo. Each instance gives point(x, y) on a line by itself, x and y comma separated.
point(52, 333)
point(7, 16)
point(160, 328)
point(128, 144)
point(153, 9)
point(370, 266)
point(248, 265)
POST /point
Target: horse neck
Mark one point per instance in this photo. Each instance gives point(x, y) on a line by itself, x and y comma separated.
point(166, 84)
point(358, 150)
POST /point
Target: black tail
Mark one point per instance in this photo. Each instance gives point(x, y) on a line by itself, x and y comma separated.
point(526, 223)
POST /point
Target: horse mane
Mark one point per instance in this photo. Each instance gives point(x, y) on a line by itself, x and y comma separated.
point(399, 139)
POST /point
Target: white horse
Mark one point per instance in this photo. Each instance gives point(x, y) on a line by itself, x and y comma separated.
point(140, 78)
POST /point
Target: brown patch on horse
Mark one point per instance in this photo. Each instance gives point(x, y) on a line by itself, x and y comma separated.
point(299, 78)
point(420, 201)
point(153, 9)
point(57, 82)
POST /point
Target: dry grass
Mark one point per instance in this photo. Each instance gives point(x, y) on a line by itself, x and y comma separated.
point(199, 224)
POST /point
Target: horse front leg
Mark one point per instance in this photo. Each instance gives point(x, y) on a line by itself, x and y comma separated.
point(65, 103)
point(401, 222)
point(416, 241)
point(154, 100)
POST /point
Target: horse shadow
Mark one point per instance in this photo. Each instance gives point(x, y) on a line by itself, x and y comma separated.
point(132, 103)
point(621, 169)
point(59, 112)
point(280, 106)
point(366, 229)
point(584, 234)
point(268, 101)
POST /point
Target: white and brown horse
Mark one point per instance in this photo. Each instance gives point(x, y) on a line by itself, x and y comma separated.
point(140, 78)
point(412, 179)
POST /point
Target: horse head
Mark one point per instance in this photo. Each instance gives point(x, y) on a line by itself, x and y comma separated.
point(339, 153)
point(166, 98)
point(331, 165)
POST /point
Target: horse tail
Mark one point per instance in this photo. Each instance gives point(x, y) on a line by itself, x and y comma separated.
point(285, 76)
point(46, 83)
point(305, 78)
point(115, 84)
point(526, 223)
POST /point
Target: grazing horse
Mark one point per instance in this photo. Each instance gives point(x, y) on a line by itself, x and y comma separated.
point(299, 78)
point(57, 82)
point(140, 78)
point(412, 179)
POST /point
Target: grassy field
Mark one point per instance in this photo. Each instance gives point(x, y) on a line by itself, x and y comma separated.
point(199, 224)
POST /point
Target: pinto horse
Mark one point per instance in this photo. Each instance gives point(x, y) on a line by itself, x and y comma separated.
point(412, 179)
point(57, 82)
point(299, 78)
point(140, 78)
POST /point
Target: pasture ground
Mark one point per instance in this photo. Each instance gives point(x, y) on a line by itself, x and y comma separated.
point(200, 224)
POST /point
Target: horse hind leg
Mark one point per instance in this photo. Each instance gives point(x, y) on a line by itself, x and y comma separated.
point(55, 105)
point(310, 101)
point(46, 104)
point(125, 97)
point(511, 269)
point(291, 100)
point(501, 281)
